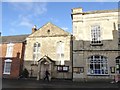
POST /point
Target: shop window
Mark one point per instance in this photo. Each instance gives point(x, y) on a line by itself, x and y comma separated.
point(97, 65)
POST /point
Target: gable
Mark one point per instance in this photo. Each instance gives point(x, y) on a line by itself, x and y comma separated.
point(49, 30)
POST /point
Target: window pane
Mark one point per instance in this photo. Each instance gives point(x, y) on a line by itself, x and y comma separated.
point(91, 66)
point(97, 66)
point(117, 61)
point(38, 44)
point(60, 47)
point(34, 44)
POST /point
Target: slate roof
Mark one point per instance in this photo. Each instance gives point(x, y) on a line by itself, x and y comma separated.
point(13, 39)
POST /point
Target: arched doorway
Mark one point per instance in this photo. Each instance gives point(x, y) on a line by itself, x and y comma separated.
point(44, 64)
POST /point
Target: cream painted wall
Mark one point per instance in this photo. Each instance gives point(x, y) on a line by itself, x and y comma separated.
point(84, 23)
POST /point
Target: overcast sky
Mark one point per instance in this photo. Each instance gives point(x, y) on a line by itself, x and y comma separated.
point(19, 17)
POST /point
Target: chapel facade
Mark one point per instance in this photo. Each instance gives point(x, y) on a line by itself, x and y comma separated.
point(49, 48)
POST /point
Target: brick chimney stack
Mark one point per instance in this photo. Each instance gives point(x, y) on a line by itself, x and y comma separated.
point(34, 29)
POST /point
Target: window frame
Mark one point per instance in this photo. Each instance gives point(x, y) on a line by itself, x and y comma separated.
point(99, 66)
point(95, 35)
point(5, 66)
point(60, 49)
point(9, 51)
point(36, 52)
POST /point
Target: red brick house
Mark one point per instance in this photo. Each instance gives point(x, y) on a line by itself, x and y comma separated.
point(11, 56)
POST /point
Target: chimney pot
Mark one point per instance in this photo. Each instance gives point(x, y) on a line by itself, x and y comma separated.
point(34, 28)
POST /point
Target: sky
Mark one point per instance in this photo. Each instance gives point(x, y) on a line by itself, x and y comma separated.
point(19, 17)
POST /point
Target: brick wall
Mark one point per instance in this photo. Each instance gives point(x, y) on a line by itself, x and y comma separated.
point(17, 60)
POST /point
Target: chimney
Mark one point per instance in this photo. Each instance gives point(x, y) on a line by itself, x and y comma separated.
point(34, 29)
point(77, 10)
point(114, 26)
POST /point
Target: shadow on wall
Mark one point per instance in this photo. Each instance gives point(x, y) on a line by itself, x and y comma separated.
point(112, 44)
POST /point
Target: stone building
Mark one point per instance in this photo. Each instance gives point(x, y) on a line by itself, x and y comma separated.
point(96, 50)
point(49, 48)
point(12, 55)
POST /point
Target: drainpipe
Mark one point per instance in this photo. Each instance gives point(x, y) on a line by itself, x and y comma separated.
point(72, 54)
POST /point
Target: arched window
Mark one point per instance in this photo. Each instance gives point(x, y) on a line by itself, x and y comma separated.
point(36, 52)
point(118, 65)
point(60, 52)
point(7, 66)
point(97, 65)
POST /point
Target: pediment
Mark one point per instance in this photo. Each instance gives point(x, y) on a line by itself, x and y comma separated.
point(46, 59)
point(49, 30)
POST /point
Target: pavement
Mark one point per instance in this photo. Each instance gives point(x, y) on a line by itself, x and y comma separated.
point(32, 84)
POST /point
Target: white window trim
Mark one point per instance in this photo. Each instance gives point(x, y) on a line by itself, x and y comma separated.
point(37, 52)
point(98, 38)
point(60, 45)
point(9, 54)
point(88, 73)
point(8, 60)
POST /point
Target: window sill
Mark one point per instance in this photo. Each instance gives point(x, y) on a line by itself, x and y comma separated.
point(97, 74)
point(8, 56)
point(96, 44)
point(6, 73)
